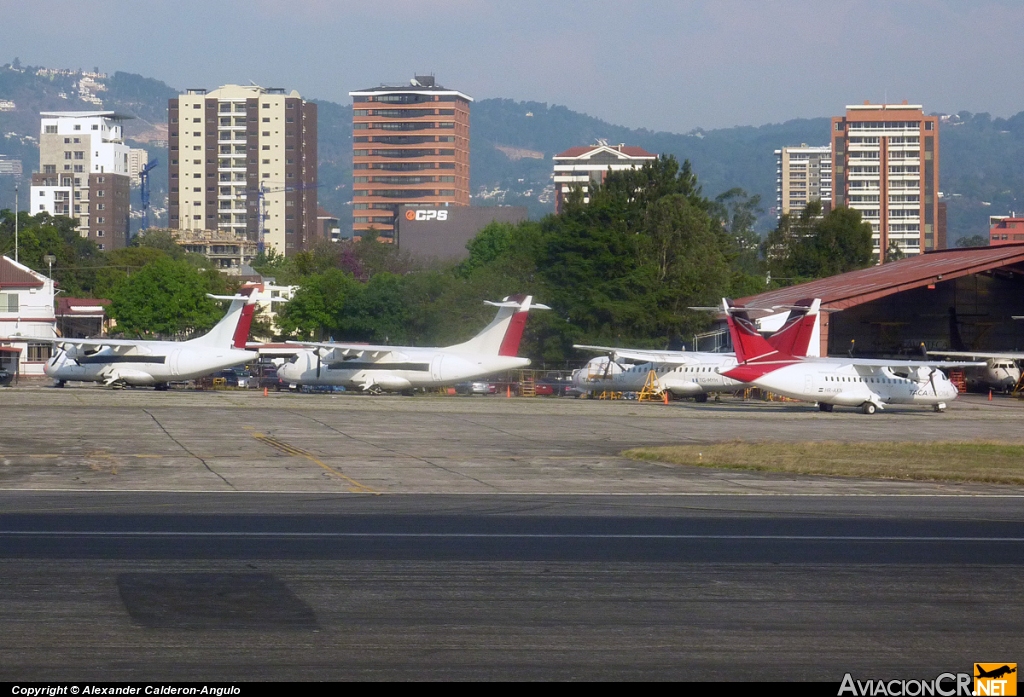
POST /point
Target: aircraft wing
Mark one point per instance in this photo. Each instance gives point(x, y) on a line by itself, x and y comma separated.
point(1009, 355)
point(119, 344)
point(644, 355)
point(353, 350)
point(894, 363)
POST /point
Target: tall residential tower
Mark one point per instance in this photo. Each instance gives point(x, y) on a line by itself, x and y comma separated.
point(83, 173)
point(244, 159)
point(410, 147)
point(803, 174)
point(885, 164)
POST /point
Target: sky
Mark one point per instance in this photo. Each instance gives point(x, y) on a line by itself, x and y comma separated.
point(663, 65)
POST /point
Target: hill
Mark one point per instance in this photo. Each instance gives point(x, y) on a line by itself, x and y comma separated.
point(982, 158)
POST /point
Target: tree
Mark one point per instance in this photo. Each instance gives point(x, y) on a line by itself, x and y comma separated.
point(972, 241)
point(805, 247)
point(166, 298)
point(894, 252)
point(315, 311)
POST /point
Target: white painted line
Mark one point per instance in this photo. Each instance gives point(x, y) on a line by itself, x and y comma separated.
point(511, 535)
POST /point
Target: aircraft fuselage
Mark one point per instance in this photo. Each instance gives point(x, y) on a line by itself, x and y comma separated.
point(150, 363)
point(423, 368)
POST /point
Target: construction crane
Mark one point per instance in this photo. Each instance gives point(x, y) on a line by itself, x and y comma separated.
point(261, 206)
point(144, 190)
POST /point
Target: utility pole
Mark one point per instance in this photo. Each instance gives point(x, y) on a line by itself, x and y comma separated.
point(15, 223)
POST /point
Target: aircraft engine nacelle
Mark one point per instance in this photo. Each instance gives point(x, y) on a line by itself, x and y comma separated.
point(392, 383)
point(135, 377)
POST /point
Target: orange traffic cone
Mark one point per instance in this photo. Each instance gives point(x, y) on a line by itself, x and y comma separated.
point(265, 393)
point(665, 395)
point(508, 391)
point(990, 395)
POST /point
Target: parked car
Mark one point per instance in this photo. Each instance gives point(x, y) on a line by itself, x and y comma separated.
point(472, 388)
point(5, 377)
point(269, 380)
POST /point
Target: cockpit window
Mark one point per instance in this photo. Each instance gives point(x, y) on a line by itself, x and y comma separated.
point(294, 359)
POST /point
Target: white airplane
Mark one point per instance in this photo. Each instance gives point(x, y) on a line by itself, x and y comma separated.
point(687, 373)
point(376, 369)
point(155, 363)
point(869, 384)
point(1000, 371)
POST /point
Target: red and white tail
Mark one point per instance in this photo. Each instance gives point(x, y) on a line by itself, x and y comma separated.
point(233, 329)
point(794, 337)
point(502, 336)
point(756, 355)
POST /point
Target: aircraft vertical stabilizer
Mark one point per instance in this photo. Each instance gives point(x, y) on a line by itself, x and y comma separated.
point(502, 336)
point(233, 330)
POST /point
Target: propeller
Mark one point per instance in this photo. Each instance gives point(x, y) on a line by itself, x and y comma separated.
point(931, 379)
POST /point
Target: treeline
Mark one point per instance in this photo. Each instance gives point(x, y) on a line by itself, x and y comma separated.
point(622, 268)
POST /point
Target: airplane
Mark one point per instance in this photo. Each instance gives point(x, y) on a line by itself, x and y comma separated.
point(687, 373)
point(155, 363)
point(1000, 371)
point(376, 369)
point(868, 383)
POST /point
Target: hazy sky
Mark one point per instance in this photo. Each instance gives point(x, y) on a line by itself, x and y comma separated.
point(664, 65)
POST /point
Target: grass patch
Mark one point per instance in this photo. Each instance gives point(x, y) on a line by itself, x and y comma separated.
point(972, 461)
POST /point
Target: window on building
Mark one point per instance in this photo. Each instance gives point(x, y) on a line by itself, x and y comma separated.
point(50, 129)
point(77, 127)
point(67, 154)
point(9, 302)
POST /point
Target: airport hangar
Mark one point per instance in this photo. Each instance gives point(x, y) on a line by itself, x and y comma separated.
point(956, 299)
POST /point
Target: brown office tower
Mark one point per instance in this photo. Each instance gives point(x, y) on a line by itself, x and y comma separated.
point(244, 159)
point(410, 147)
point(885, 164)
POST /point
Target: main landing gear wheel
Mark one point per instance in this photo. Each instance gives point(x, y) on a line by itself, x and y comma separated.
point(939, 408)
point(822, 406)
point(60, 383)
point(375, 390)
point(868, 408)
point(701, 398)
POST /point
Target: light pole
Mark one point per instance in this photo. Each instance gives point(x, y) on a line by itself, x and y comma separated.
point(15, 223)
point(49, 259)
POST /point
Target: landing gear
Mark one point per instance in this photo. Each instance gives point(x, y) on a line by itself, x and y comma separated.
point(60, 383)
point(701, 398)
point(374, 390)
point(160, 387)
point(822, 406)
point(939, 408)
point(868, 408)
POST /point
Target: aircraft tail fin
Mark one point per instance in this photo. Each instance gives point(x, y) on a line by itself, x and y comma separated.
point(794, 337)
point(233, 329)
point(502, 336)
point(747, 342)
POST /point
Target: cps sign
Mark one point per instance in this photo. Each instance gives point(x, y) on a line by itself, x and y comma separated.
point(427, 215)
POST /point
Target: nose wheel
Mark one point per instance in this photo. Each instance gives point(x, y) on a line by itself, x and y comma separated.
point(868, 408)
point(822, 406)
point(939, 408)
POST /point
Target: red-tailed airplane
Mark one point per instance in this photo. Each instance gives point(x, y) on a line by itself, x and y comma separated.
point(867, 383)
point(377, 369)
point(689, 373)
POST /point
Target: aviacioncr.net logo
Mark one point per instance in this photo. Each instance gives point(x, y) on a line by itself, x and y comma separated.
point(944, 685)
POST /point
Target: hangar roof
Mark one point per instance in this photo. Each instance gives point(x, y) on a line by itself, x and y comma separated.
point(857, 287)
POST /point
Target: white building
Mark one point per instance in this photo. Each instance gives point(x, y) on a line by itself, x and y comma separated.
point(590, 164)
point(138, 158)
point(26, 310)
point(803, 174)
point(83, 173)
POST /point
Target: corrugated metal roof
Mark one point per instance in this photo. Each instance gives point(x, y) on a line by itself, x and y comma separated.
point(865, 285)
point(14, 275)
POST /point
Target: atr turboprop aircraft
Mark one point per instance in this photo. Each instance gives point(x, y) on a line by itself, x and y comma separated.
point(377, 369)
point(155, 363)
point(869, 384)
point(688, 373)
point(999, 372)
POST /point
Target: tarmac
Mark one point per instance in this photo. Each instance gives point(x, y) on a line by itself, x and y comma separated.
point(231, 536)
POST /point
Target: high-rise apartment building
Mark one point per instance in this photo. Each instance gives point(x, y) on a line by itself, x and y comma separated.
point(83, 173)
point(885, 164)
point(587, 165)
point(244, 159)
point(410, 147)
point(803, 174)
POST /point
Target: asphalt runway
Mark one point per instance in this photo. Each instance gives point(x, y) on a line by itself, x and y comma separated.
point(227, 536)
